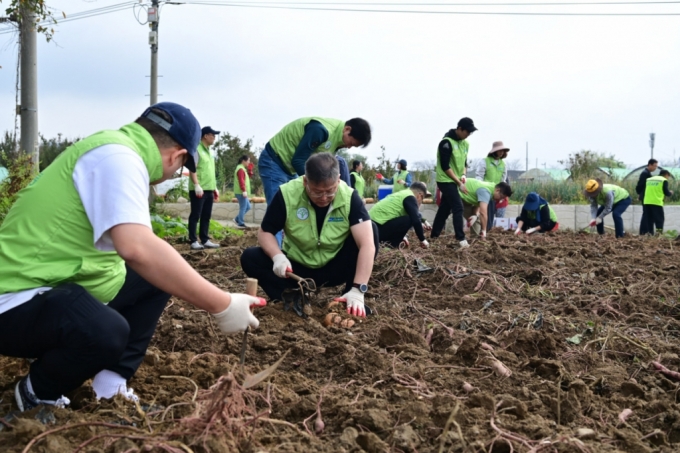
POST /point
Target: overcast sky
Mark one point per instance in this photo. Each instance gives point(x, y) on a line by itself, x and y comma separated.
point(561, 84)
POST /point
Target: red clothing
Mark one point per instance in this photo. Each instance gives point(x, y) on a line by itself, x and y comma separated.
point(242, 179)
point(502, 204)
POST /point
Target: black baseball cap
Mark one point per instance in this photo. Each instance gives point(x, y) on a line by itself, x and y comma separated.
point(183, 128)
point(209, 130)
point(467, 124)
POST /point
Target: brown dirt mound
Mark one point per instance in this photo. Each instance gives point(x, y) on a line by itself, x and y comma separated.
point(395, 381)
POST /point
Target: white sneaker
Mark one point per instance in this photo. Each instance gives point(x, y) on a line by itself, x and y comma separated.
point(210, 245)
point(464, 244)
point(196, 246)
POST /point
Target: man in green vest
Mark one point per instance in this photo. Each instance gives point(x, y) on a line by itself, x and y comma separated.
point(476, 202)
point(328, 237)
point(84, 279)
point(284, 156)
point(492, 169)
point(242, 189)
point(537, 216)
point(357, 181)
point(656, 189)
point(401, 179)
point(606, 198)
point(395, 214)
point(203, 191)
point(451, 176)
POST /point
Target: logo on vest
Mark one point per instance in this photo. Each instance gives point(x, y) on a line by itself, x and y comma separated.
point(302, 214)
point(336, 219)
point(327, 145)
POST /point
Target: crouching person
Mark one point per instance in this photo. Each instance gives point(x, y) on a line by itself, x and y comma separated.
point(84, 279)
point(395, 214)
point(328, 236)
point(537, 216)
point(476, 201)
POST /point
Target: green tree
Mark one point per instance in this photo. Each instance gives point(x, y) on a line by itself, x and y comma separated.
point(229, 148)
point(39, 7)
point(586, 164)
point(51, 148)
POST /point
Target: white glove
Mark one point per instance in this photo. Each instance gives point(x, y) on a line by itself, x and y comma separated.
point(425, 244)
point(355, 302)
point(245, 194)
point(282, 265)
point(237, 315)
point(427, 226)
point(405, 241)
point(483, 234)
point(531, 230)
point(199, 191)
point(518, 231)
point(598, 221)
point(471, 221)
point(463, 179)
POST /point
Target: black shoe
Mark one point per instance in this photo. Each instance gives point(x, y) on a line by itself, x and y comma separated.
point(292, 299)
point(27, 400)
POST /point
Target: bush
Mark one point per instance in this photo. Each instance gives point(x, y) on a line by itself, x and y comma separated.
point(167, 227)
point(20, 174)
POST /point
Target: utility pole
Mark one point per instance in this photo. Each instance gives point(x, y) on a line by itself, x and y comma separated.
point(652, 136)
point(527, 165)
point(29, 85)
point(153, 17)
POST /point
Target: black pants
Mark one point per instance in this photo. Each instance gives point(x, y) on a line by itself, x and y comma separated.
point(654, 216)
point(532, 223)
point(340, 270)
point(450, 203)
point(200, 208)
point(73, 336)
point(393, 231)
point(490, 214)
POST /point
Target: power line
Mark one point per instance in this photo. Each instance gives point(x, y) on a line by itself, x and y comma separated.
point(218, 2)
point(467, 13)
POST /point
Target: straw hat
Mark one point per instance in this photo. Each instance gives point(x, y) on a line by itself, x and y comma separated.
point(498, 146)
point(593, 188)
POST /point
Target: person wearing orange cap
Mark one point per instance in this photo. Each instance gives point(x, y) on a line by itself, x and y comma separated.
point(492, 169)
point(606, 198)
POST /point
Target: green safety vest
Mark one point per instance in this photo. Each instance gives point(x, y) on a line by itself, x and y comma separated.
point(47, 239)
point(458, 157)
point(532, 214)
point(654, 191)
point(396, 187)
point(237, 187)
point(619, 193)
point(205, 171)
point(472, 186)
point(302, 242)
point(390, 207)
point(359, 183)
point(287, 140)
point(494, 171)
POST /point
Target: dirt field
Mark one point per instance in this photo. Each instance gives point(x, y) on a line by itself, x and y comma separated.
point(471, 356)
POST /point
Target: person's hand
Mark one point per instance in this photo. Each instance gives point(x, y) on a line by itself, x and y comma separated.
point(245, 194)
point(216, 195)
point(471, 221)
point(483, 235)
point(405, 241)
point(518, 231)
point(379, 176)
point(531, 230)
point(463, 179)
point(281, 265)
point(401, 181)
point(199, 191)
point(427, 226)
point(237, 316)
point(355, 302)
point(424, 244)
point(595, 222)
point(463, 188)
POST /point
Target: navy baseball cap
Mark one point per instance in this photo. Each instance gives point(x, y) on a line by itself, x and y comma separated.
point(209, 130)
point(184, 128)
point(467, 125)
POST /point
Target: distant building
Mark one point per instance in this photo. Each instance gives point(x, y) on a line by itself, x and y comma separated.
point(3, 174)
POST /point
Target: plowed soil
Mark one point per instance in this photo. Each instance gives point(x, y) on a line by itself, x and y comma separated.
point(529, 344)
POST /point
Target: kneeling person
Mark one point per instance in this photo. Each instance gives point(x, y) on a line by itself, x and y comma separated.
point(476, 202)
point(328, 236)
point(398, 212)
point(536, 216)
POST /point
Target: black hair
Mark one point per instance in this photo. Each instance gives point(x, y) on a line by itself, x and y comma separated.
point(243, 158)
point(159, 135)
point(355, 164)
point(505, 188)
point(419, 186)
point(652, 162)
point(322, 167)
point(664, 173)
point(361, 130)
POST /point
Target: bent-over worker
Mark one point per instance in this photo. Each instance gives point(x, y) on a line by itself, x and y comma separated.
point(537, 216)
point(605, 199)
point(395, 214)
point(328, 236)
point(476, 201)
